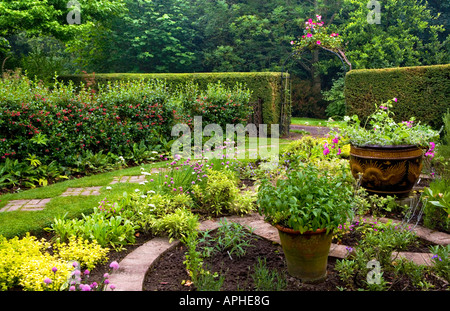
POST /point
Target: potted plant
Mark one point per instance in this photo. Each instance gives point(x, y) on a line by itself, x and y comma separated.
point(306, 206)
point(386, 156)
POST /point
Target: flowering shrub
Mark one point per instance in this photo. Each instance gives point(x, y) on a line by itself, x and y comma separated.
point(82, 130)
point(315, 34)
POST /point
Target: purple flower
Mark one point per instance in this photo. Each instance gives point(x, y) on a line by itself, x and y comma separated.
point(47, 281)
point(383, 107)
point(112, 286)
point(72, 288)
point(86, 272)
point(114, 265)
point(54, 269)
point(395, 99)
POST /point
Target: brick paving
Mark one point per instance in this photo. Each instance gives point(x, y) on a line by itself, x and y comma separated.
point(81, 191)
point(25, 205)
point(130, 179)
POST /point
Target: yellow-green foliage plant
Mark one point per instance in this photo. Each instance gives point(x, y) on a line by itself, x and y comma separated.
point(87, 253)
point(24, 263)
point(27, 264)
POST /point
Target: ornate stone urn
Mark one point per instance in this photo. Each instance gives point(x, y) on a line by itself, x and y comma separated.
point(387, 170)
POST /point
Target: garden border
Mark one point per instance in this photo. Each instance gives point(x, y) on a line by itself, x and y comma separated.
point(133, 268)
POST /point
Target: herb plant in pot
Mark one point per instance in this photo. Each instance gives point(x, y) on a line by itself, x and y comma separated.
point(386, 156)
point(306, 207)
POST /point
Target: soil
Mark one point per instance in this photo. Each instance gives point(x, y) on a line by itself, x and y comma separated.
point(169, 272)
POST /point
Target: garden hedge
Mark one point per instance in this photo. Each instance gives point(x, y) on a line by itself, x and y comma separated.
point(423, 92)
point(266, 87)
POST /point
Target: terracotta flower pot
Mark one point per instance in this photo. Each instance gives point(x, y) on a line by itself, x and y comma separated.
point(306, 253)
point(387, 170)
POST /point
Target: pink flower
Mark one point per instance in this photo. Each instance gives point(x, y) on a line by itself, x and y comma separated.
point(339, 151)
point(292, 42)
point(395, 99)
point(383, 107)
point(318, 42)
point(325, 149)
point(114, 265)
point(432, 146)
point(335, 139)
point(309, 35)
point(319, 17)
point(310, 21)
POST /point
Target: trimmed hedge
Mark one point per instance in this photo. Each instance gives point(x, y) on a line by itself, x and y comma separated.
point(265, 86)
point(423, 92)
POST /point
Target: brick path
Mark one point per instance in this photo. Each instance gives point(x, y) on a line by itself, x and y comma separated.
point(131, 179)
point(25, 205)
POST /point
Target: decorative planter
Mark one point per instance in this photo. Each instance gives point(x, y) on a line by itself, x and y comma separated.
point(306, 253)
point(387, 170)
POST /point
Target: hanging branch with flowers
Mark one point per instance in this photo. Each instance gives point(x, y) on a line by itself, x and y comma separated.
point(316, 36)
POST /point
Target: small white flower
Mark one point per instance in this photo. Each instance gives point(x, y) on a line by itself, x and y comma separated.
point(108, 188)
point(155, 152)
point(152, 205)
point(146, 173)
point(150, 191)
point(136, 190)
point(143, 196)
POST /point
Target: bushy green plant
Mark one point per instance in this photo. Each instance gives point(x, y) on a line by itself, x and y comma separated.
point(26, 263)
point(113, 231)
point(176, 224)
point(383, 130)
point(436, 200)
point(87, 253)
point(218, 194)
point(308, 199)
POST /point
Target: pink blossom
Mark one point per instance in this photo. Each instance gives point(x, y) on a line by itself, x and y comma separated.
point(310, 21)
point(335, 139)
point(309, 35)
point(292, 42)
point(395, 99)
point(319, 17)
point(318, 42)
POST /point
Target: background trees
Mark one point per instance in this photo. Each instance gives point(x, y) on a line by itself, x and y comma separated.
point(218, 35)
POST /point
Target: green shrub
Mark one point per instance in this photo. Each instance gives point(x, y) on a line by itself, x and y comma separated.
point(422, 92)
point(264, 86)
point(436, 200)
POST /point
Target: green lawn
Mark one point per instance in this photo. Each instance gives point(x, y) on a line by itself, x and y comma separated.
point(18, 223)
point(313, 122)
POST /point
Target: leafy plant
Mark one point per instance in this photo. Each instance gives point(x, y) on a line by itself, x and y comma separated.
point(441, 260)
point(307, 199)
point(436, 200)
point(267, 280)
point(230, 237)
point(383, 130)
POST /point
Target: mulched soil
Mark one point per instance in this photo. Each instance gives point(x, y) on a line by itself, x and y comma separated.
point(169, 272)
